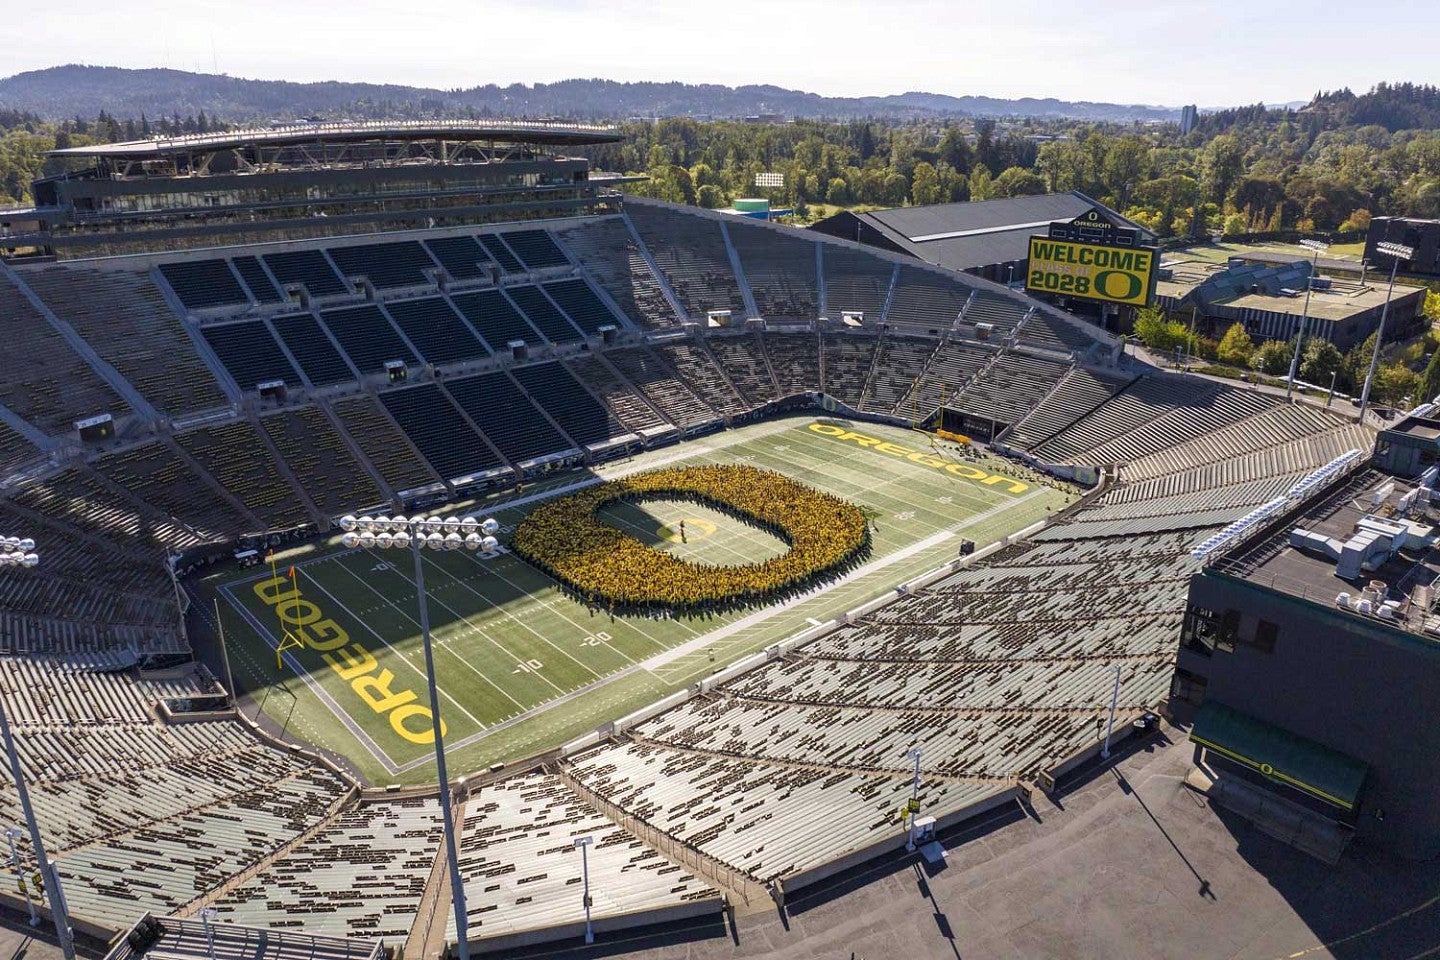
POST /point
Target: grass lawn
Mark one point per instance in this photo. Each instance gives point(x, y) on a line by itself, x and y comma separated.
point(522, 667)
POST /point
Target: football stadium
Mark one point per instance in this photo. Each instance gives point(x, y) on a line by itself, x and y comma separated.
point(739, 556)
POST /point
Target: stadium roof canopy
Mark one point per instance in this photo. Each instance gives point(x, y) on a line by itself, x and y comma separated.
point(967, 236)
point(548, 132)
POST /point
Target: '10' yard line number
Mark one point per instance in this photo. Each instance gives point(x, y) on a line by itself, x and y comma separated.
point(531, 666)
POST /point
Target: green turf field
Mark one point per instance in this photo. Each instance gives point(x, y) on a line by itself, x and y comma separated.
point(523, 668)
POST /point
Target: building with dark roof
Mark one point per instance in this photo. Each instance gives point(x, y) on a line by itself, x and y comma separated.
point(1309, 657)
point(988, 238)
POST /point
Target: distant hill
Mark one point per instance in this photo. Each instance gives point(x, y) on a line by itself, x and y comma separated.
point(74, 90)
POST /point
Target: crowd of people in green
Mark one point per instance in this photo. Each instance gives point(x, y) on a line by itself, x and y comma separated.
point(605, 567)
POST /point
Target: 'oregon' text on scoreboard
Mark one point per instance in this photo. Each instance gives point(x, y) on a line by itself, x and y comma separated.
point(1115, 274)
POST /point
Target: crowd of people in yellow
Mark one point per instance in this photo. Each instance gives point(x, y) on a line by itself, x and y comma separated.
point(604, 566)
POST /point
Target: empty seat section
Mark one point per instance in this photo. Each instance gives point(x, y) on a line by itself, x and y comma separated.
point(690, 249)
point(743, 360)
point(461, 257)
point(14, 449)
point(367, 337)
point(507, 416)
point(582, 305)
point(156, 474)
point(780, 268)
point(543, 314)
point(401, 264)
point(495, 318)
point(125, 317)
point(662, 386)
point(55, 386)
point(925, 298)
point(439, 335)
point(1002, 313)
point(606, 248)
point(795, 360)
point(250, 354)
point(308, 267)
point(431, 421)
point(501, 254)
point(236, 456)
point(855, 280)
point(847, 366)
point(697, 368)
point(320, 461)
point(535, 248)
point(312, 349)
point(579, 414)
point(203, 283)
point(262, 288)
point(382, 443)
point(628, 405)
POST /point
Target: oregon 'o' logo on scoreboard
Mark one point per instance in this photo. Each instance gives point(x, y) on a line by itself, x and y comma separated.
point(1092, 271)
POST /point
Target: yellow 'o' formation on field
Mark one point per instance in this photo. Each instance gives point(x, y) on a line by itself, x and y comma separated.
point(566, 539)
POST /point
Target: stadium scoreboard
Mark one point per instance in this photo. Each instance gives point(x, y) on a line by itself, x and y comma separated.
point(1094, 258)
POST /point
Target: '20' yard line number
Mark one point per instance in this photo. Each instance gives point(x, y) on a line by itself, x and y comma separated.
point(533, 666)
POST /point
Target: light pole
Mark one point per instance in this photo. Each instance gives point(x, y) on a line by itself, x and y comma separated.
point(1114, 701)
point(12, 834)
point(431, 533)
point(1396, 252)
point(583, 845)
point(20, 552)
point(914, 805)
point(207, 917)
point(1319, 248)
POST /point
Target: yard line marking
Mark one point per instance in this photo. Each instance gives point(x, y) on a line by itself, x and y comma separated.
point(812, 621)
point(396, 607)
point(323, 695)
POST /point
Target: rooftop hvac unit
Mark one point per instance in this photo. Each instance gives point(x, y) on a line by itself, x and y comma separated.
point(1378, 497)
point(1319, 283)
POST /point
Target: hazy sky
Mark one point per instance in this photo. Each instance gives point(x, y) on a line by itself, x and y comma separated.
point(1108, 50)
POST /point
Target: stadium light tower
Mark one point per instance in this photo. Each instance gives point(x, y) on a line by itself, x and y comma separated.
point(914, 806)
point(583, 843)
point(207, 917)
point(430, 533)
point(1114, 702)
point(1396, 252)
point(12, 834)
point(1319, 248)
point(20, 552)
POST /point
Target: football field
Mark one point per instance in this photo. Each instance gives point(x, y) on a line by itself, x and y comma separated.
point(521, 666)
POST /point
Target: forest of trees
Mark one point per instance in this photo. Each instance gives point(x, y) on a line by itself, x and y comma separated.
point(1327, 167)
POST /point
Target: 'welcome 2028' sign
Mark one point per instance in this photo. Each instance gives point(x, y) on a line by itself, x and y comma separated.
point(1092, 271)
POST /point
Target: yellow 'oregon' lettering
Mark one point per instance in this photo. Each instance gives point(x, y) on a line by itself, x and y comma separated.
point(918, 456)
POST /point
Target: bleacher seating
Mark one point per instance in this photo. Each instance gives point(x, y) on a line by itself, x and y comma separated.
point(250, 353)
point(899, 363)
point(579, 302)
point(521, 869)
point(628, 406)
point(1079, 393)
point(709, 383)
point(662, 387)
point(781, 269)
point(236, 456)
point(262, 288)
point(496, 319)
point(954, 364)
point(154, 473)
point(501, 254)
point(535, 248)
point(504, 414)
point(1002, 313)
point(400, 263)
point(52, 386)
point(543, 314)
point(607, 250)
point(320, 461)
point(847, 362)
point(308, 268)
point(368, 337)
point(363, 873)
point(435, 329)
point(579, 414)
point(438, 431)
point(83, 689)
point(383, 444)
point(15, 450)
point(201, 284)
point(855, 280)
point(743, 360)
point(795, 360)
point(1006, 389)
point(691, 251)
point(124, 316)
point(926, 298)
point(312, 349)
point(461, 257)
